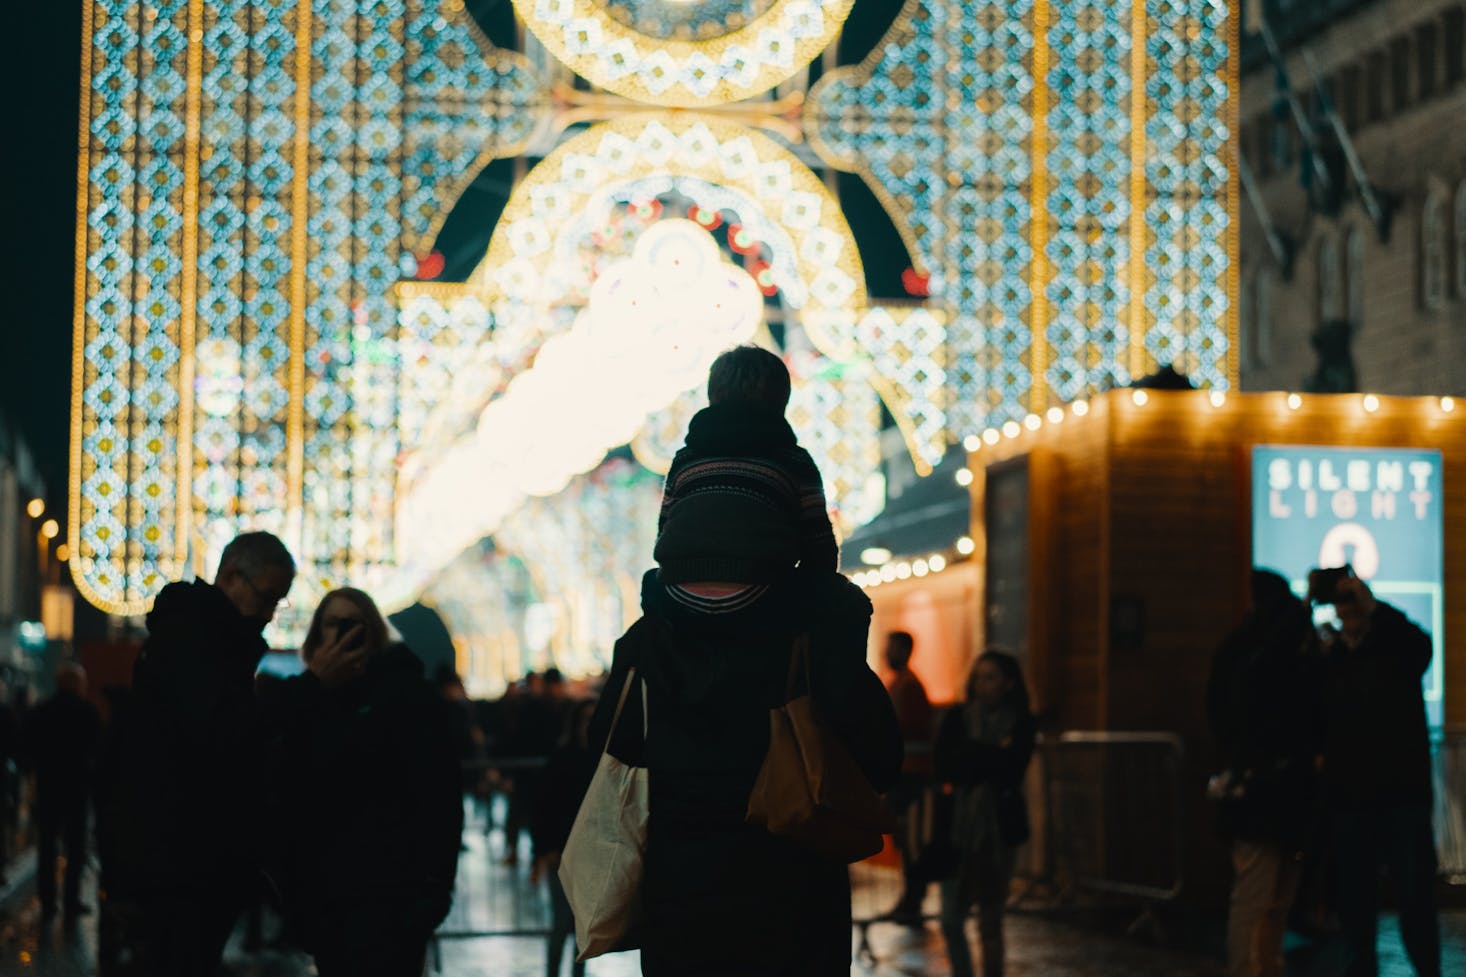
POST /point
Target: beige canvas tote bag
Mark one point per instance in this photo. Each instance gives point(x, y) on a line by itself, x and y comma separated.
point(601, 866)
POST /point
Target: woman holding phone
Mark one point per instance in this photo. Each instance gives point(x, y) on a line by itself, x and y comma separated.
point(368, 791)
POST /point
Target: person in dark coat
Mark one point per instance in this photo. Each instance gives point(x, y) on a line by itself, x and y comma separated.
point(370, 781)
point(182, 780)
point(713, 669)
point(983, 749)
point(536, 724)
point(9, 775)
point(1262, 704)
point(742, 576)
point(1376, 772)
point(914, 715)
point(557, 799)
point(59, 742)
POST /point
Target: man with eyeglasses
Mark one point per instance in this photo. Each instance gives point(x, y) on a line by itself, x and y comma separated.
point(182, 775)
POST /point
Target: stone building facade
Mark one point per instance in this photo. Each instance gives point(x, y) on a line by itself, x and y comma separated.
point(1391, 74)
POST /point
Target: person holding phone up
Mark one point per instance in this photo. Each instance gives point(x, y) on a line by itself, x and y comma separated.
point(367, 792)
point(1376, 769)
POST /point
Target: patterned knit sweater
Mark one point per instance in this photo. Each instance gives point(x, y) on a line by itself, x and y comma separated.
point(737, 450)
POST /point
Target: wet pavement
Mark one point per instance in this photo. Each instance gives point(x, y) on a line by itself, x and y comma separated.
point(493, 931)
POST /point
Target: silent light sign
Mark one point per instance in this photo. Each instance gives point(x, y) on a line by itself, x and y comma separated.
point(1377, 509)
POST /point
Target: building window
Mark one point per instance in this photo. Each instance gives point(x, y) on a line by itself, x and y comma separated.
point(1281, 145)
point(1454, 35)
point(1426, 38)
point(1262, 155)
point(1374, 86)
point(1461, 240)
point(1260, 352)
point(1246, 319)
point(1400, 74)
point(1348, 101)
point(1330, 281)
point(1433, 251)
point(1354, 277)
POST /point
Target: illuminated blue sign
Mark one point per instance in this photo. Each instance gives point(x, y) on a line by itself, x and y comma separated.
point(1377, 509)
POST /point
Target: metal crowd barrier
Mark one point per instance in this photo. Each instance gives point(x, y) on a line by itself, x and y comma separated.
point(1106, 815)
point(1112, 809)
point(1448, 762)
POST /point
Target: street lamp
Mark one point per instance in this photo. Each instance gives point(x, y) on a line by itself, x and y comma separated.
point(35, 507)
point(49, 530)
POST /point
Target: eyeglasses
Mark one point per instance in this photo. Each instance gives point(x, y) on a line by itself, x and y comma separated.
point(279, 603)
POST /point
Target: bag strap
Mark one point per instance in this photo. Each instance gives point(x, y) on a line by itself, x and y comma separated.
point(797, 655)
point(620, 702)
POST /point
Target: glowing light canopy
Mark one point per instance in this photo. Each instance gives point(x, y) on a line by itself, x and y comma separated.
point(257, 177)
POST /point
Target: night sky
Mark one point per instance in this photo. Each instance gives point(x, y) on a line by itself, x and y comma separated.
point(39, 151)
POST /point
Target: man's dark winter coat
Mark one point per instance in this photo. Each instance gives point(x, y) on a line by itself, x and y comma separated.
point(1263, 707)
point(60, 741)
point(182, 780)
point(368, 803)
point(722, 897)
point(1376, 745)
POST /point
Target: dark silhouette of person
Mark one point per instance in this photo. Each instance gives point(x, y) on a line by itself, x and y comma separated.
point(914, 715)
point(557, 799)
point(1376, 771)
point(466, 733)
point(60, 746)
point(369, 773)
point(535, 722)
point(182, 776)
point(9, 775)
point(720, 618)
point(983, 749)
point(1262, 705)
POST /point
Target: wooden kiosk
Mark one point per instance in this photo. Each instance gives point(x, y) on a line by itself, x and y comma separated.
point(1112, 544)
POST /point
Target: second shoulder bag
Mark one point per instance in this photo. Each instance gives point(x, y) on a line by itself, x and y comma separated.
point(810, 789)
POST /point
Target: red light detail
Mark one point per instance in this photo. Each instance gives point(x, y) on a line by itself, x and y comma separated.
point(430, 265)
point(916, 283)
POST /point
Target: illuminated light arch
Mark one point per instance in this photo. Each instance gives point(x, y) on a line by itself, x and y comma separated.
point(590, 166)
point(817, 267)
point(824, 281)
point(269, 231)
point(728, 66)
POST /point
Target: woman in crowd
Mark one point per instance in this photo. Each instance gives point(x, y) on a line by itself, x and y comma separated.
point(983, 748)
point(369, 788)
